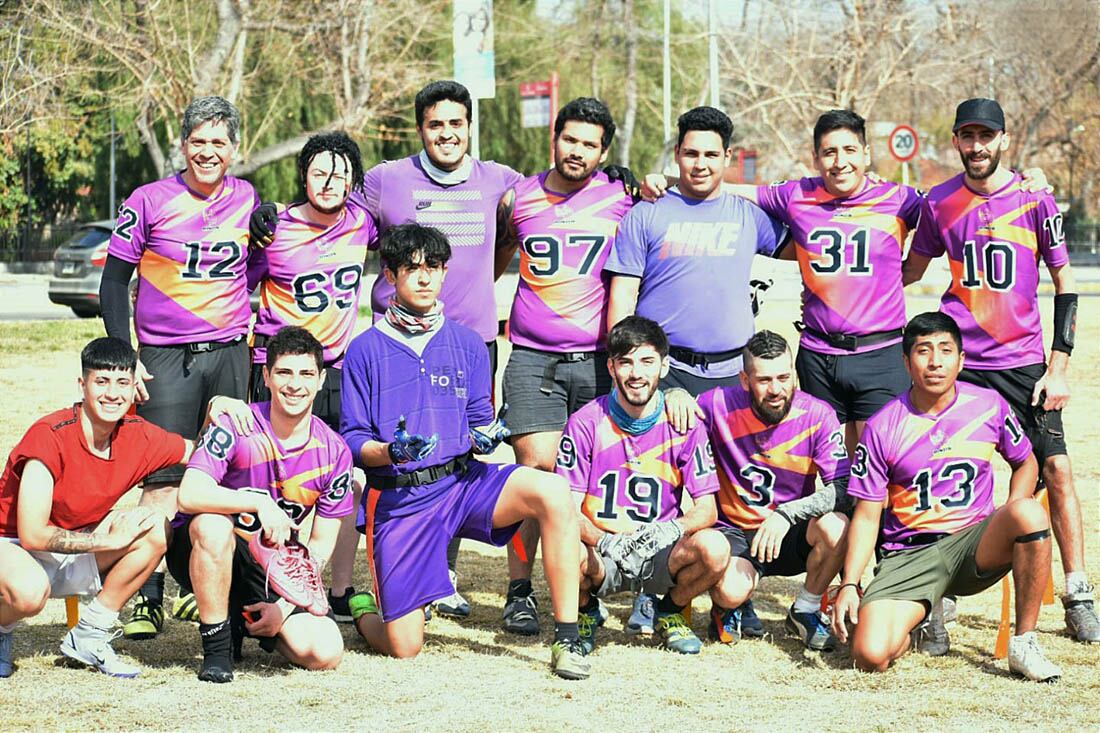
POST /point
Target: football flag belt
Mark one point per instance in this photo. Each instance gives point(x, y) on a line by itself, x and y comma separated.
point(549, 372)
point(917, 542)
point(201, 347)
point(423, 476)
point(849, 341)
point(700, 358)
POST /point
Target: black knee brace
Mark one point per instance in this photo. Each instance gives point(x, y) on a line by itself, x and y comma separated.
point(1033, 536)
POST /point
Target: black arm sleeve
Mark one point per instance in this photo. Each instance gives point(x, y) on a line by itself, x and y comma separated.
point(114, 297)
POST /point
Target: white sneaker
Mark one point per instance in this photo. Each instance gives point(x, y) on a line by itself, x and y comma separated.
point(950, 610)
point(89, 645)
point(453, 605)
point(1026, 658)
point(932, 637)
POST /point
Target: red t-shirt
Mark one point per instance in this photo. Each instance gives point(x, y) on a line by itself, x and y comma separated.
point(86, 487)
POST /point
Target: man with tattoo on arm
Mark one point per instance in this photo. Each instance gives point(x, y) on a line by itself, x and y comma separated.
point(59, 533)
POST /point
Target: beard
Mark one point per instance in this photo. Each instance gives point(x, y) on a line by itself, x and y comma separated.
point(994, 160)
point(772, 415)
point(637, 401)
point(570, 175)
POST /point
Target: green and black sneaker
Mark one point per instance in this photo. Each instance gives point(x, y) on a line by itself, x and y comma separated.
point(146, 620)
point(569, 660)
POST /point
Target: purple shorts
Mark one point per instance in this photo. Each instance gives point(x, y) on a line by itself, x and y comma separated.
point(408, 551)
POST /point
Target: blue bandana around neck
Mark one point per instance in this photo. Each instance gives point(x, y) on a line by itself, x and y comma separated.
point(634, 425)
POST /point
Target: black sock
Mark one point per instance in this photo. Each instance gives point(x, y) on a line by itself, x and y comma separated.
point(520, 588)
point(217, 645)
point(153, 589)
point(452, 553)
point(566, 631)
point(666, 605)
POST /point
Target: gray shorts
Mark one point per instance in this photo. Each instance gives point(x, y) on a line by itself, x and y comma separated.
point(659, 584)
point(542, 389)
point(182, 385)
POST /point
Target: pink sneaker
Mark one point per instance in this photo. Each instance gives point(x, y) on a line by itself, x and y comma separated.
point(291, 573)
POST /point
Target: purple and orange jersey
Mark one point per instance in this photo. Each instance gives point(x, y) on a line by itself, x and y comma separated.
point(191, 253)
point(934, 471)
point(994, 244)
point(310, 276)
point(561, 301)
point(849, 251)
point(299, 478)
point(762, 466)
point(628, 480)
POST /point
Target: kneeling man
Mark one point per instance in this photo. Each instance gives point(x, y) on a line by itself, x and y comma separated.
point(925, 459)
point(266, 481)
point(771, 443)
point(630, 469)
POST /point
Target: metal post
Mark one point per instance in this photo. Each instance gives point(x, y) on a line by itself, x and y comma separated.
point(666, 85)
point(555, 82)
point(111, 195)
point(712, 32)
point(475, 144)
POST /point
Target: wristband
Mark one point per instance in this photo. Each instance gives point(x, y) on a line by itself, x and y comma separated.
point(1065, 322)
point(857, 586)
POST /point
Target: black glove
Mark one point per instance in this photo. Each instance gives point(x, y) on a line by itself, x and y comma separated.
point(262, 225)
point(624, 174)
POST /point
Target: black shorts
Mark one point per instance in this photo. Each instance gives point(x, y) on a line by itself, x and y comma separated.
point(542, 391)
point(855, 385)
point(694, 384)
point(248, 584)
point(182, 385)
point(1043, 428)
point(793, 551)
point(326, 405)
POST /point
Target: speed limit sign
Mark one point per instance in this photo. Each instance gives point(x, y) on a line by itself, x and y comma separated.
point(904, 143)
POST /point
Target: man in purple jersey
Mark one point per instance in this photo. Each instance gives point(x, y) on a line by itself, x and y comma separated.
point(685, 260)
point(187, 236)
point(563, 222)
point(923, 472)
point(267, 481)
point(630, 468)
point(416, 404)
point(994, 233)
point(771, 443)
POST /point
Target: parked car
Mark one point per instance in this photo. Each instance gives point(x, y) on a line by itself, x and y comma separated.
point(78, 268)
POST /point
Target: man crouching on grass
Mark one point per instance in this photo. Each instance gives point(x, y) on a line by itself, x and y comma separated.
point(237, 485)
point(415, 404)
point(59, 532)
point(923, 467)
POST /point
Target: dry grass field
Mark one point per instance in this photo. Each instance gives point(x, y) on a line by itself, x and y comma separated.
point(472, 676)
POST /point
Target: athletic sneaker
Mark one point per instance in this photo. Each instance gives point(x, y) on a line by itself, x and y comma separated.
point(339, 605)
point(186, 608)
point(1026, 658)
point(932, 637)
point(725, 625)
point(813, 628)
point(1081, 620)
point(7, 654)
point(291, 573)
point(92, 646)
point(569, 660)
point(751, 625)
point(453, 605)
point(642, 615)
point(587, 623)
point(521, 615)
point(360, 604)
point(146, 620)
point(676, 635)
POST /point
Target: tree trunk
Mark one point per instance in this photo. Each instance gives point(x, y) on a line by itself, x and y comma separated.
point(630, 113)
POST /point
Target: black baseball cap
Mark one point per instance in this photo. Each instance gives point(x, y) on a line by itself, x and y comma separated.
point(979, 111)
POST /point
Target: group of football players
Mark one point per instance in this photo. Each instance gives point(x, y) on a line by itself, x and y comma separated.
point(635, 376)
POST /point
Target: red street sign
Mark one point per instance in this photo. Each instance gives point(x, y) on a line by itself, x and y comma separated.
point(534, 89)
point(904, 143)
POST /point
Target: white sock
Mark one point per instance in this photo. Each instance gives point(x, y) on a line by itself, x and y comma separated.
point(9, 628)
point(98, 615)
point(807, 602)
point(1076, 582)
